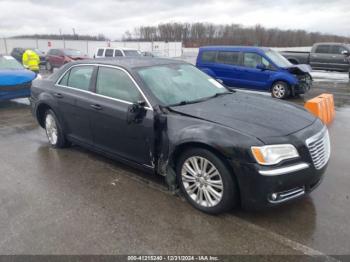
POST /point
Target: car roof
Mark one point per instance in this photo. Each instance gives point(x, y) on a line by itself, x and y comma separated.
point(234, 48)
point(129, 63)
point(331, 43)
point(118, 48)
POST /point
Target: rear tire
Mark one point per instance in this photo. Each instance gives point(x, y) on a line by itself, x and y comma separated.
point(54, 130)
point(206, 182)
point(280, 90)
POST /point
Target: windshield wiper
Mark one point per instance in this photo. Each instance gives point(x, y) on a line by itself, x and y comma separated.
point(185, 102)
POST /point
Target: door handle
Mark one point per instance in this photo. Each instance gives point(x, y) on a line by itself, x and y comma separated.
point(58, 95)
point(96, 107)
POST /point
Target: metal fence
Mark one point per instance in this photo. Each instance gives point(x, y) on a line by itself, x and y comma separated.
point(167, 49)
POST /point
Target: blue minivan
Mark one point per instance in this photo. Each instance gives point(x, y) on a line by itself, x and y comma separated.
point(255, 68)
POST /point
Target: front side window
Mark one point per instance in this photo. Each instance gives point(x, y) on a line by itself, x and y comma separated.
point(208, 56)
point(177, 83)
point(230, 58)
point(253, 59)
point(115, 83)
point(109, 53)
point(322, 49)
point(79, 77)
point(118, 53)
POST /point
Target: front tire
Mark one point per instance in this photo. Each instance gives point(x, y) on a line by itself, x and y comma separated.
point(280, 90)
point(206, 182)
point(54, 130)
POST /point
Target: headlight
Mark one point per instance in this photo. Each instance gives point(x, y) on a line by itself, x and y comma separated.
point(271, 155)
point(38, 77)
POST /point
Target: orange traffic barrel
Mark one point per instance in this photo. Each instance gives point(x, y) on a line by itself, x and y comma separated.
point(322, 106)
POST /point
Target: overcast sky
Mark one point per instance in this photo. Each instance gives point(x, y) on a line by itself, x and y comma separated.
point(114, 17)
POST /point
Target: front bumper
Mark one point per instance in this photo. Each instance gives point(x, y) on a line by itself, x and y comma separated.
point(261, 189)
point(16, 91)
point(304, 85)
point(267, 186)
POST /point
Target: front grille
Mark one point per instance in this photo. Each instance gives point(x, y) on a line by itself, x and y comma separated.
point(319, 148)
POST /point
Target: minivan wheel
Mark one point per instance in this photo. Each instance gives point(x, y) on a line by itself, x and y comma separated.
point(54, 131)
point(49, 67)
point(280, 90)
point(206, 182)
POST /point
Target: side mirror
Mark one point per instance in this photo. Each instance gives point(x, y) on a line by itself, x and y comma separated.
point(136, 112)
point(345, 52)
point(262, 67)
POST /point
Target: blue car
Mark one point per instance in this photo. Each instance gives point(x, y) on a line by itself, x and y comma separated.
point(255, 68)
point(15, 80)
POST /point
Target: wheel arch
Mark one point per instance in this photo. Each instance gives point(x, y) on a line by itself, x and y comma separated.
point(40, 113)
point(175, 155)
point(279, 80)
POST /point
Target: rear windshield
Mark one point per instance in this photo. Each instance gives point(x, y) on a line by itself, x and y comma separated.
point(8, 62)
point(131, 53)
point(71, 52)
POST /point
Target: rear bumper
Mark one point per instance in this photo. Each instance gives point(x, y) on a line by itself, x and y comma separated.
point(262, 187)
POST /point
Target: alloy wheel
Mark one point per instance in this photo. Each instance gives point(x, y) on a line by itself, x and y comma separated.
point(48, 66)
point(202, 181)
point(279, 90)
point(51, 129)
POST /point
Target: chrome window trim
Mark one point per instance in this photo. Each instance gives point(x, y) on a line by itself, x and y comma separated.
point(148, 107)
point(284, 170)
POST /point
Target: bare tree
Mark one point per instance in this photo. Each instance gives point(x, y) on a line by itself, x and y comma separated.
point(197, 34)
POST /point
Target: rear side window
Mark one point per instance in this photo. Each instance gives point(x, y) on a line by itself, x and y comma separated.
point(208, 56)
point(100, 52)
point(64, 80)
point(231, 58)
point(322, 49)
point(79, 77)
point(115, 83)
point(109, 53)
point(118, 53)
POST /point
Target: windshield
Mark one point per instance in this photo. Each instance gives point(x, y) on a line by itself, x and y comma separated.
point(174, 84)
point(71, 52)
point(278, 59)
point(131, 53)
point(38, 51)
point(8, 62)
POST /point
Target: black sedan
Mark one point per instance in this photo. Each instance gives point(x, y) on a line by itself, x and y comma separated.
point(221, 147)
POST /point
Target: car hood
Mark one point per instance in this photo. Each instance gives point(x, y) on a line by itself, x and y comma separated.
point(250, 114)
point(299, 69)
point(15, 77)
